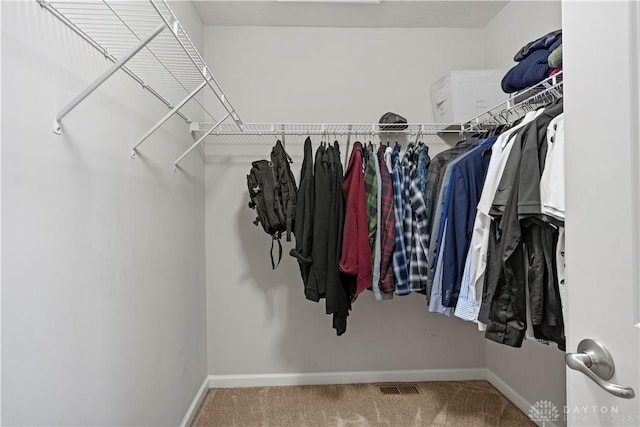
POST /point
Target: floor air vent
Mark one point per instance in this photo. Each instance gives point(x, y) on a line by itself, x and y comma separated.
point(389, 390)
point(404, 389)
point(408, 389)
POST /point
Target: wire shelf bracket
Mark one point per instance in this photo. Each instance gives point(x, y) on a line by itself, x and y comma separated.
point(165, 118)
point(198, 142)
point(96, 83)
point(132, 35)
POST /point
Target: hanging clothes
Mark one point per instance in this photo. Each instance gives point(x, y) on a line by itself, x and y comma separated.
point(552, 180)
point(304, 220)
point(415, 224)
point(317, 286)
point(355, 260)
point(387, 221)
point(400, 261)
point(371, 196)
point(490, 250)
point(514, 209)
point(376, 258)
point(475, 265)
point(438, 178)
point(552, 194)
point(423, 165)
point(437, 166)
point(338, 300)
point(434, 283)
point(325, 280)
point(540, 236)
point(467, 180)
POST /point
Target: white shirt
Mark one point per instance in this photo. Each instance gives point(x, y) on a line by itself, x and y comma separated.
point(435, 303)
point(387, 159)
point(552, 180)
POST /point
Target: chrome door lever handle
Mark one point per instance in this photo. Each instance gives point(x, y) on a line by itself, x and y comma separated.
point(595, 361)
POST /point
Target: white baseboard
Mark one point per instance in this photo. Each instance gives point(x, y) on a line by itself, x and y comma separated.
point(516, 398)
point(195, 405)
point(362, 377)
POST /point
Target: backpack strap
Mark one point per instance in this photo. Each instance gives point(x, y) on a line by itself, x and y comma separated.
point(289, 220)
point(273, 264)
point(281, 158)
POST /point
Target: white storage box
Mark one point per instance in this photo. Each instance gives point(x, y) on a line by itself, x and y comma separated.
point(462, 95)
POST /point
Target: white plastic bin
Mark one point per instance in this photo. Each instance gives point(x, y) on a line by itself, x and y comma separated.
point(462, 95)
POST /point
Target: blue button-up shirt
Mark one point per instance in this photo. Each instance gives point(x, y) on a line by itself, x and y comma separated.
point(465, 189)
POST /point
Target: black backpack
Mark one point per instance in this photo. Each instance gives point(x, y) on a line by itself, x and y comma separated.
point(273, 192)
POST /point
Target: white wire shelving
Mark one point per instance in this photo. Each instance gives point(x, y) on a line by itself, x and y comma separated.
point(338, 129)
point(517, 105)
point(145, 40)
point(251, 131)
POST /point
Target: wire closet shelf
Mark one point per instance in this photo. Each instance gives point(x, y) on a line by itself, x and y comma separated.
point(514, 107)
point(329, 129)
point(548, 90)
point(145, 40)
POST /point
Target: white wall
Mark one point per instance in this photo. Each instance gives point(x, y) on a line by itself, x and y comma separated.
point(307, 74)
point(535, 371)
point(103, 279)
point(504, 36)
point(330, 75)
point(103, 298)
point(258, 320)
point(517, 24)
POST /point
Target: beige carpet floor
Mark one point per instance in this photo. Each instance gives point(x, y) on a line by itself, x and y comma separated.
point(455, 403)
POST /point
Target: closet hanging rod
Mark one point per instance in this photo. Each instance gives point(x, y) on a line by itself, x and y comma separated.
point(330, 129)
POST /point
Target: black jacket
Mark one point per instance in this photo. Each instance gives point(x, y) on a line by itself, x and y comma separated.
point(304, 221)
point(316, 287)
point(338, 302)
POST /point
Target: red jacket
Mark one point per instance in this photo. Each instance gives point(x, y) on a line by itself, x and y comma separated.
point(356, 252)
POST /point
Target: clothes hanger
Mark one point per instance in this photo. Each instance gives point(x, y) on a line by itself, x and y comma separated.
point(347, 144)
point(419, 137)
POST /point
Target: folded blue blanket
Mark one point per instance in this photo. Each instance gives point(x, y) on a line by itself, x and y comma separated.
point(528, 72)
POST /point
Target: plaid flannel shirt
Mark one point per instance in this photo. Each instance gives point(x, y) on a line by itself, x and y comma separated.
point(387, 221)
point(407, 218)
point(400, 261)
point(415, 231)
point(371, 194)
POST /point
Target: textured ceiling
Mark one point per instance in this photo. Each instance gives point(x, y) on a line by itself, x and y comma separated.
point(389, 13)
